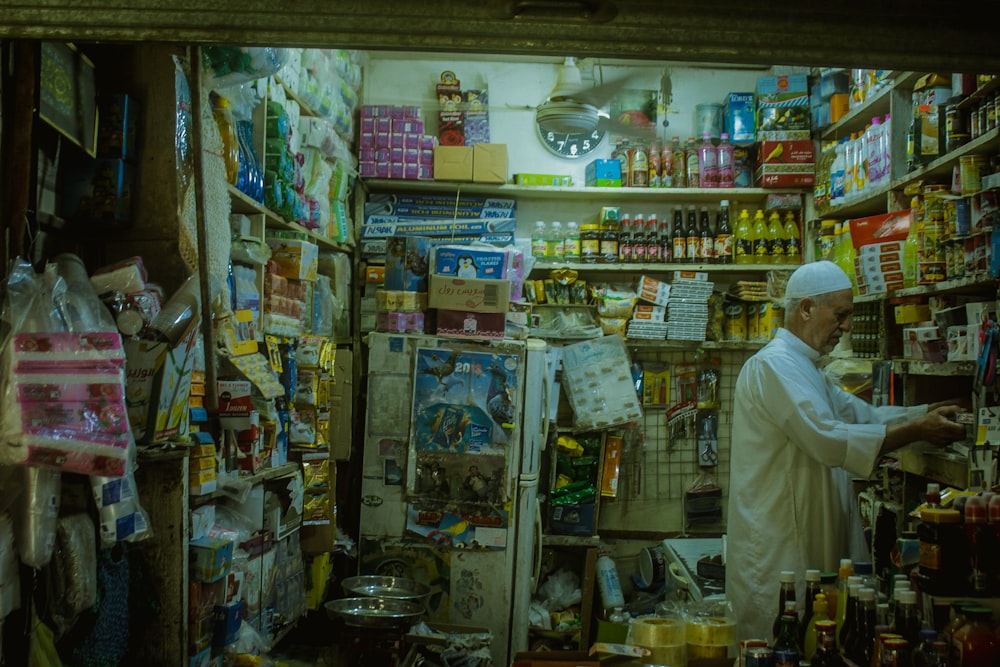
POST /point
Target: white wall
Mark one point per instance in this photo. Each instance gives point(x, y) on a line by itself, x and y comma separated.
point(518, 83)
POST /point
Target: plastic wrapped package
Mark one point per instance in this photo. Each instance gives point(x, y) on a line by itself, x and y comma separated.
point(121, 515)
point(323, 307)
point(232, 65)
point(183, 127)
point(36, 515)
point(10, 578)
point(72, 578)
point(597, 378)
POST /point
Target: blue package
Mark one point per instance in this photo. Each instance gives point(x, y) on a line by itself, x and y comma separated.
point(471, 262)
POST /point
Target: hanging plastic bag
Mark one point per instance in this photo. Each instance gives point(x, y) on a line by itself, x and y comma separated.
point(232, 65)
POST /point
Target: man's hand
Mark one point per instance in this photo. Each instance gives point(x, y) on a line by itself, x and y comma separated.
point(939, 427)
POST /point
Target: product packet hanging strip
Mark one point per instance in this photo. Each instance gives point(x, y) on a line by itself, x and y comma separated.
point(64, 404)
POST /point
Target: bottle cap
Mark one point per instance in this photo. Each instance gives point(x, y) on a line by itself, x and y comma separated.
point(854, 579)
point(975, 510)
point(907, 597)
point(812, 575)
point(865, 594)
point(787, 577)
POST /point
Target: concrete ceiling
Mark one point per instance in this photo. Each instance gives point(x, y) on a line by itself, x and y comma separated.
point(916, 35)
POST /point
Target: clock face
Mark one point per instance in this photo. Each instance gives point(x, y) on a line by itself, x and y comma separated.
point(570, 145)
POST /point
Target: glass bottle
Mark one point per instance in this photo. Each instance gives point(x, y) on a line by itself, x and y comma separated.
point(666, 244)
point(787, 637)
point(638, 167)
point(590, 243)
point(786, 593)
point(626, 248)
point(679, 171)
point(678, 245)
point(826, 654)
point(639, 239)
point(812, 590)
point(653, 253)
point(707, 243)
point(609, 243)
point(724, 235)
point(975, 641)
point(693, 238)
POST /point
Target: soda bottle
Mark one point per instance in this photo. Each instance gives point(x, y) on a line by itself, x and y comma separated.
point(639, 239)
point(692, 164)
point(707, 248)
point(692, 237)
point(826, 646)
point(743, 244)
point(708, 162)
point(724, 152)
point(626, 247)
point(653, 239)
point(678, 239)
point(793, 242)
point(761, 239)
point(679, 177)
point(776, 238)
point(667, 165)
point(724, 235)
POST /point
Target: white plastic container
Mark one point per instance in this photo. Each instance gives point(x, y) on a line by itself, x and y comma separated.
point(608, 583)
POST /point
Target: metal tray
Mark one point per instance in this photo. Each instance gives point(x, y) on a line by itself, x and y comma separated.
point(396, 588)
point(367, 612)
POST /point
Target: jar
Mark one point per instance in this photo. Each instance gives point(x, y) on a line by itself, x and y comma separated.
point(976, 643)
point(609, 244)
point(943, 563)
point(590, 243)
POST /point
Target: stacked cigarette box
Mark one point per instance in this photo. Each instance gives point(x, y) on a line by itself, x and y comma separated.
point(687, 308)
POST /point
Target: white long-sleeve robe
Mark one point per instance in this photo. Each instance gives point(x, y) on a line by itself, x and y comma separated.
point(793, 428)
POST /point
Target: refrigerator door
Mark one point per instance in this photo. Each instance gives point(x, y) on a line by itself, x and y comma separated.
point(528, 558)
point(534, 427)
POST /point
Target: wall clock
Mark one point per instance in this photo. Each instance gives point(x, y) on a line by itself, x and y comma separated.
point(570, 145)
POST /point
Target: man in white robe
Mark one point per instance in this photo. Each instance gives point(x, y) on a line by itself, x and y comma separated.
point(793, 431)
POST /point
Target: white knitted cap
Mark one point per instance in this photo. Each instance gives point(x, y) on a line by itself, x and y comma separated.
point(816, 278)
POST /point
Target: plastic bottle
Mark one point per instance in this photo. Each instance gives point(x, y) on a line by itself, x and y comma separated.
point(538, 235)
point(667, 165)
point(860, 166)
point(792, 239)
point(864, 641)
point(708, 162)
point(638, 167)
point(786, 593)
point(554, 240)
point(679, 173)
point(571, 246)
point(608, 582)
point(849, 165)
point(692, 160)
point(743, 243)
point(724, 235)
point(653, 157)
point(849, 629)
point(845, 570)
point(724, 160)
point(911, 252)
point(877, 176)
point(886, 148)
point(818, 612)
point(837, 175)
point(181, 312)
point(776, 238)
point(761, 239)
point(223, 114)
point(907, 621)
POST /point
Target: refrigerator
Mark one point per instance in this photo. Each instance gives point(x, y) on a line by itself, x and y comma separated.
point(454, 432)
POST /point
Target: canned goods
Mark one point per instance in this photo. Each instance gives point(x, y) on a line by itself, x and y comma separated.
point(735, 321)
point(759, 656)
point(971, 168)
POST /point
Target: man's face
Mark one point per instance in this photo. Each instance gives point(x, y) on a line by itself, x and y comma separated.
point(828, 320)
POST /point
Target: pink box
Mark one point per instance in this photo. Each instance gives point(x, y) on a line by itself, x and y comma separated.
point(396, 170)
point(367, 125)
point(411, 156)
point(396, 155)
point(412, 111)
point(366, 155)
point(411, 172)
point(428, 142)
point(367, 169)
point(382, 170)
point(383, 125)
point(381, 140)
point(426, 172)
point(396, 140)
point(411, 141)
point(367, 140)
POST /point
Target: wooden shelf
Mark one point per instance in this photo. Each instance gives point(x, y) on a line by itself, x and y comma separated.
point(241, 203)
point(688, 344)
point(285, 470)
point(660, 267)
point(577, 192)
point(936, 368)
point(877, 105)
point(571, 540)
point(980, 93)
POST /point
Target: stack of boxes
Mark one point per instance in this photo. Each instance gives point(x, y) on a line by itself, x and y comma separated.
point(785, 152)
point(740, 117)
point(392, 143)
point(933, 332)
point(829, 99)
point(878, 242)
point(202, 465)
point(289, 280)
point(687, 308)
point(472, 288)
point(401, 302)
point(649, 319)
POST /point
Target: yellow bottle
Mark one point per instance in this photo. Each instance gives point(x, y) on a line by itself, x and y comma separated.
point(793, 241)
point(761, 239)
point(743, 246)
point(776, 238)
point(846, 570)
point(819, 612)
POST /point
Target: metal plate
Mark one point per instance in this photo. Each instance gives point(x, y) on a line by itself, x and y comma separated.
point(397, 588)
point(368, 612)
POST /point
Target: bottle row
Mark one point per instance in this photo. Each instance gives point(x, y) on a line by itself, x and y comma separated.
point(694, 164)
point(691, 237)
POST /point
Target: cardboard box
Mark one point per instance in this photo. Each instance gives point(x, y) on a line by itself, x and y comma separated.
point(157, 383)
point(572, 519)
point(786, 152)
point(453, 163)
point(297, 259)
point(909, 313)
point(554, 180)
point(604, 174)
point(612, 466)
point(489, 163)
point(470, 324)
point(473, 294)
point(210, 558)
point(740, 117)
point(783, 103)
point(462, 261)
point(406, 263)
point(653, 290)
point(785, 175)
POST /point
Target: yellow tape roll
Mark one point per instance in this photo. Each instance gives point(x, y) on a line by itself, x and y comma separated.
point(652, 632)
point(711, 631)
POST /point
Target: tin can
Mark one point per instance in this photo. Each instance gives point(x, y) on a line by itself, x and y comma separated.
point(759, 656)
point(753, 321)
point(971, 167)
point(735, 321)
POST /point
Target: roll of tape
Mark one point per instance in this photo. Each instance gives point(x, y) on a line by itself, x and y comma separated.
point(653, 632)
point(711, 631)
point(667, 655)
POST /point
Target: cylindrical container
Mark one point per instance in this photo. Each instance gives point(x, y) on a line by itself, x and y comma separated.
point(709, 639)
point(652, 566)
point(708, 120)
point(608, 583)
point(590, 243)
point(753, 321)
point(735, 321)
point(971, 169)
point(662, 637)
point(36, 515)
point(759, 656)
